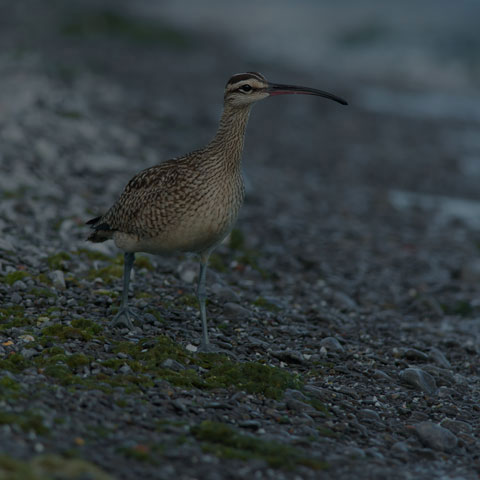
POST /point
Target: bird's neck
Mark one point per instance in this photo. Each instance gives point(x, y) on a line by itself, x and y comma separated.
point(227, 144)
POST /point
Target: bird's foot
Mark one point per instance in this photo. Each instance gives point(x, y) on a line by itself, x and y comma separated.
point(124, 318)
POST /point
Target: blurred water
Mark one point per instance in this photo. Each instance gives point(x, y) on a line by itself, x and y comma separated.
point(420, 44)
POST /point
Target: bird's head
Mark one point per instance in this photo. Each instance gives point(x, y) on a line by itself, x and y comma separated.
point(247, 88)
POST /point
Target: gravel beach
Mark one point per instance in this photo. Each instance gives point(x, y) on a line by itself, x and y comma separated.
point(345, 302)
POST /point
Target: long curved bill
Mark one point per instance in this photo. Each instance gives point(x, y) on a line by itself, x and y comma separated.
point(279, 89)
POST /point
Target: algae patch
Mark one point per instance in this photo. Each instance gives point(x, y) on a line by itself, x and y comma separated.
point(225, 442)
point(47, 467)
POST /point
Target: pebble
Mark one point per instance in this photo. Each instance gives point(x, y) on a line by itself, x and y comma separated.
point(419, 379)
point(224, 294)
point(19, 285)
point(369, 415)
point(58, 279)
point(16, 298)
point(235, 311)
point(331, 344)
point(414, 354)
point(125, 369)
point(187, 271)
point(437, 356)
point(172, 364)
point(435, 437)
point(456, 426)
point(288, 356)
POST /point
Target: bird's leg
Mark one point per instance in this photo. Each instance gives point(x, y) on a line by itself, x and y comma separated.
point(205, 345)
point(124, 316)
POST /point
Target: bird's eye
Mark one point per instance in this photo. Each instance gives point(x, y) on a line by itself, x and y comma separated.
point(246, 88)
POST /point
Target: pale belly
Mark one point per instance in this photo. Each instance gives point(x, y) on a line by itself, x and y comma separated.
point(197, 233)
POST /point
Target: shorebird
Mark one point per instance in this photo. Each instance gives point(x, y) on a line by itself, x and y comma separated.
point(190, 203)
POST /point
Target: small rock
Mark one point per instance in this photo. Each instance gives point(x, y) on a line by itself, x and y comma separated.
point(414, 354)
point(400, 450)
point(224, 294)
point(251, 424)
point(188, 271)
point(381, 375)
point(288, 356)
point(442, 376)
point(436, 356)
point(125, 369)
point(419, 379)
point(235, 311)
point(436, 437)
point(16, 298)
point(19, 285)
point(172, 364)
point(58, 279)
point(29, 353)
point(369, 415)
point(456, 426)
point(331, 344)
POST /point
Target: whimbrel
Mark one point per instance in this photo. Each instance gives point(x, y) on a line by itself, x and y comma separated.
point(189, 204)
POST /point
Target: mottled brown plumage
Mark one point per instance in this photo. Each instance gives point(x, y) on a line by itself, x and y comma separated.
point(189, 203)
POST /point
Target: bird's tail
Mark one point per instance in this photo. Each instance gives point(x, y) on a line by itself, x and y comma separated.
point(102, 230)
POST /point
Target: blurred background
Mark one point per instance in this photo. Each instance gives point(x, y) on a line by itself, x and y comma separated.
point(89, 89)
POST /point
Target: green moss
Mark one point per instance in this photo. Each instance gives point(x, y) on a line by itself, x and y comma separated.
point(264, 303)
point(81, 329)
point(237, 239)
point(252, 377)
point(13, 317)
point(107, 293)
point(113, 24)
point(7, 383)
point(93, 255)
point(48, 467)
point(9, 389)
point(64, 332)
point(87, 326)
point(143, 262)
point(78, 360)
point(188, 299)
point(59, 261)
point(139, 453)
point(12, 277)
point(107, 274)
point(27, 421)
point(42, 278)
point(42, 292)
point(217, 371)
point(463, 308)
point(251, 258)
point(217, 263)
point(14, 363)
point(225, 442)
point(143, 295)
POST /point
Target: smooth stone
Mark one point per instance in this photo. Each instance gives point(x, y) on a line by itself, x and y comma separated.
point(235, 311)
point(172, 364)
point(16, 298)
point(436, 437)
point(19, 285)
point(369, 415)
point(224, 294)
point(419, 379)
point(331, 344)
point(58, 279)
point(414, 354)
point(188, 271)
point(436, 356)
point(456, 426)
